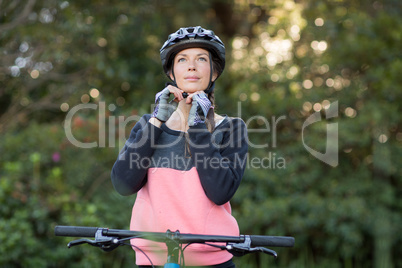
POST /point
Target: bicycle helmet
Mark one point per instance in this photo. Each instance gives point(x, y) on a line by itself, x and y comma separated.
point(192, 37)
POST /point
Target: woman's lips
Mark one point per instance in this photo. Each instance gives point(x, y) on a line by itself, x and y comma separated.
point(192, 78)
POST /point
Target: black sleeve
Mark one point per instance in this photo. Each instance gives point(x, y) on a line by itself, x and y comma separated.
point(129, 172)
point(220, 167)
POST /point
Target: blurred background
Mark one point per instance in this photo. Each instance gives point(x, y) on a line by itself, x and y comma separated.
point(88, 69)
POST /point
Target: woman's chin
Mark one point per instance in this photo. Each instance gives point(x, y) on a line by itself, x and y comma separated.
point(190, 90)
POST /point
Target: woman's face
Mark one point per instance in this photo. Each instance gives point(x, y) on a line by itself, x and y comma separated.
point(192, 70)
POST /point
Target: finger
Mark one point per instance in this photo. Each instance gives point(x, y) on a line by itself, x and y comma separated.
point(189, 98)
point(178, 95)
point(176, 92)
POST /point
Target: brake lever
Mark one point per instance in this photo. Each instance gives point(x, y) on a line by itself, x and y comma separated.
point(267, 251)
point(245, 248)
point(104, 242)
point(80, 242)
point(240, 249)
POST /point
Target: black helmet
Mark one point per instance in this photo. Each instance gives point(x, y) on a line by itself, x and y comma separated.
point(191, 37)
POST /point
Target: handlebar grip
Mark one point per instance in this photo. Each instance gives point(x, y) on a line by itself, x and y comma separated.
point(75, 231)
point(271, 241)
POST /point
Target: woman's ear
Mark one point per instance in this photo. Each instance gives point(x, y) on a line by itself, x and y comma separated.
point(170, 75)
point(214, 76)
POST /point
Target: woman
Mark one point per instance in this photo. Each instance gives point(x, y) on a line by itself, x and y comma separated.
point(185, 162)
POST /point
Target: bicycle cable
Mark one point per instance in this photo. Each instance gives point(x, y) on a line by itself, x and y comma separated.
point(134, 246)
point(140, 250)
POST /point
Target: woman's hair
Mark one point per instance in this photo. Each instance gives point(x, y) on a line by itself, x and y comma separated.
point(210, 120)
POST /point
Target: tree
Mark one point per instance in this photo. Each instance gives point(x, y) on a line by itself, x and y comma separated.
point(289, 63)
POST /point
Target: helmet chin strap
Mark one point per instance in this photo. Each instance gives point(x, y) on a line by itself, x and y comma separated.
point(211, 85)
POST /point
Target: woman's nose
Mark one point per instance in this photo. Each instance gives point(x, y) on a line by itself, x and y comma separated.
point(191, 66)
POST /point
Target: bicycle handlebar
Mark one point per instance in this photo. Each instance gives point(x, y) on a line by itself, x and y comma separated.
point(75, 231)
point(271, 241)
point(256, 240)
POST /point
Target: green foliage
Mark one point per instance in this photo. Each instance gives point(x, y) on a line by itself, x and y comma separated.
point(285, 62)
point(45, 181)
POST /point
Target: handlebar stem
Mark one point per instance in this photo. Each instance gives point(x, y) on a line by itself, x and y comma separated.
point(173, 246)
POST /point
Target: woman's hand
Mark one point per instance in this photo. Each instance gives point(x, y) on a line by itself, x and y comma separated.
point(164, 108)
point(199, 108)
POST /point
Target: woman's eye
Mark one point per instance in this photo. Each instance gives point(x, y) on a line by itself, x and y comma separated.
point(202, 59)
point(181, 60)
